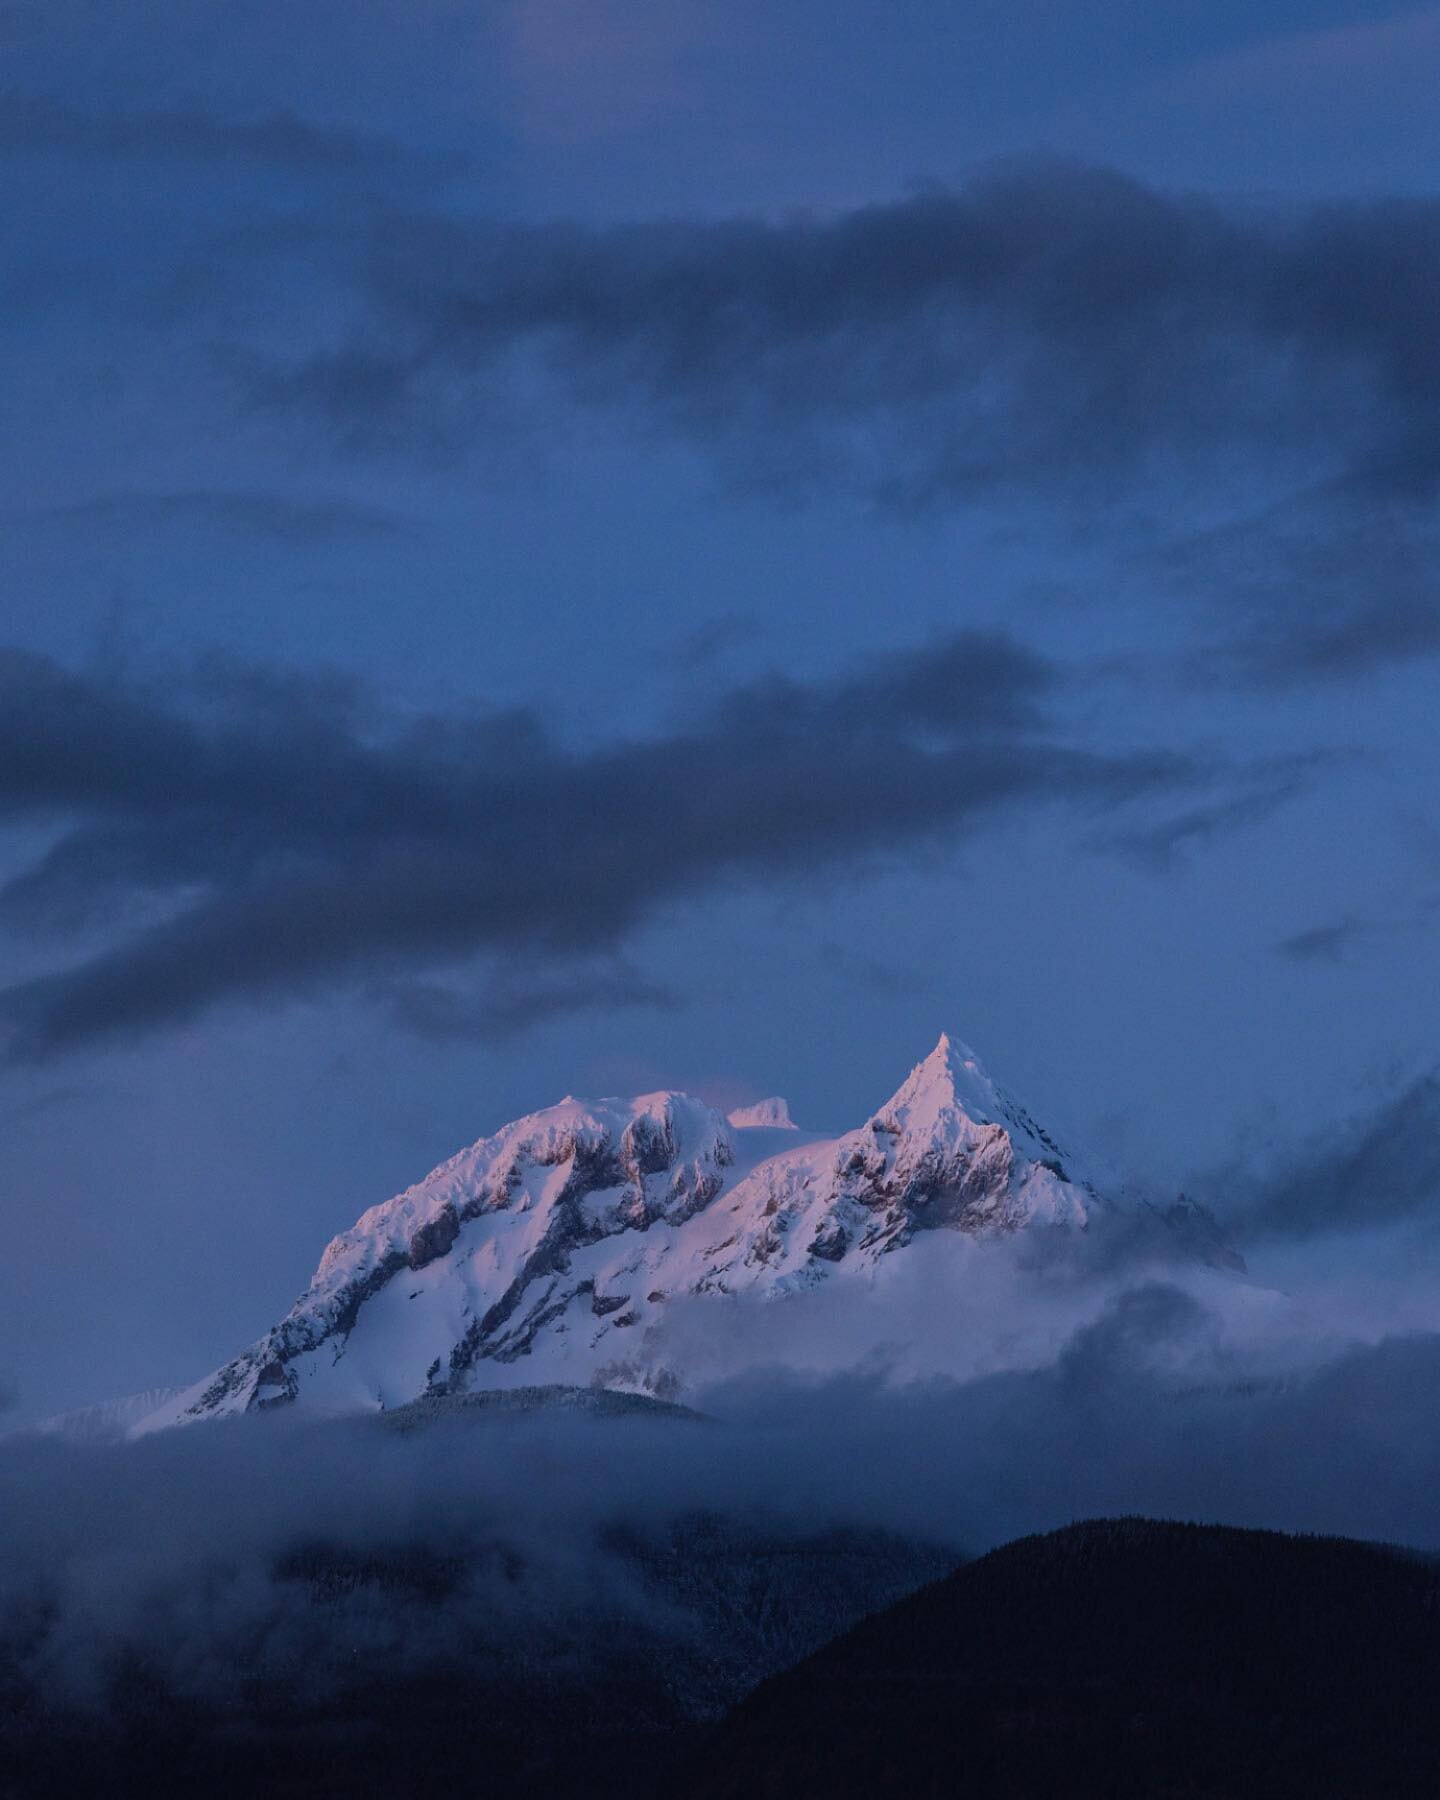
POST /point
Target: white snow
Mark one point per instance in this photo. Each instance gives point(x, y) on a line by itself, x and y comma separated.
point(551, 1250)
point(108, 1421)
point(772, 1114)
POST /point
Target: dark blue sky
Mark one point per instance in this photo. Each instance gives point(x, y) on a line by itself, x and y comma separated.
point(577, 545)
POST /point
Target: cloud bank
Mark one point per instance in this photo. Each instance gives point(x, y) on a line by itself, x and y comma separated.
point(1048, 333)
point(1045, 324)
point(182, 1548)
point(260, 836)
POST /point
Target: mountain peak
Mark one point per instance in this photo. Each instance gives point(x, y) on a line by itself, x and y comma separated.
point(949, 1100)
point(553, 1249)
point(772, 1114)
point(949, 1080)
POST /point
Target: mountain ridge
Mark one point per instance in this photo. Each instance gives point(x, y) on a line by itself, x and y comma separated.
point(550, 1250)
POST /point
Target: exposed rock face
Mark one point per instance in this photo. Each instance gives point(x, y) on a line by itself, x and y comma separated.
point(1199, 1230)
point(530, 1251)
point(436, 1238)
point(275, 1385)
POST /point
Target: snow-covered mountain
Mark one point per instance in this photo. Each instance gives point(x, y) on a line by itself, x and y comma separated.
point(107, 1421)
point(551, 1251)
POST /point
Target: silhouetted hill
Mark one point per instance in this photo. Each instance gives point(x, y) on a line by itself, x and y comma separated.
point(1115, 1658)
point(1124, 1659)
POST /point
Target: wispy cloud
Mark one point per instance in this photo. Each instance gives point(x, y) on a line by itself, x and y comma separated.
point(36, 124)
point(1334, 584)
point(1325, 943)
point(1335, 940)
point(285, 836)
point(1049, 332)
point(1358, 63)
point(1164, 843)
point(516, 1000)
point(1368, 1169)
point(1048, 326)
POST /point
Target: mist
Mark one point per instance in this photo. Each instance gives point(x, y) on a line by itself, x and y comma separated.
point(1175, 1393)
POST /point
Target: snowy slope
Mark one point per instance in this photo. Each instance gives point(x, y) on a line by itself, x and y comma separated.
point(107, 1421)
point(550, 1251)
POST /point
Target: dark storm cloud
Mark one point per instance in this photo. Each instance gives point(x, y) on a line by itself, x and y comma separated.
point(264, 835)
point(1049, 332)
point(250, 512)
point(1041, 327)
point(34, 124)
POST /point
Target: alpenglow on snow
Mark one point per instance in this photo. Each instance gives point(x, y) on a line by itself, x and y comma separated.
point(550, 1252)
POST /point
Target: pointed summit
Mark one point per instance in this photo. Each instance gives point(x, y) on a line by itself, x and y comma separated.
point(949, 1099)
point(950, 1080)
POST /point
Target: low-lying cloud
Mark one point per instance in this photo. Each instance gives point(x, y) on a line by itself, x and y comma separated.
point(1163, 1401)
